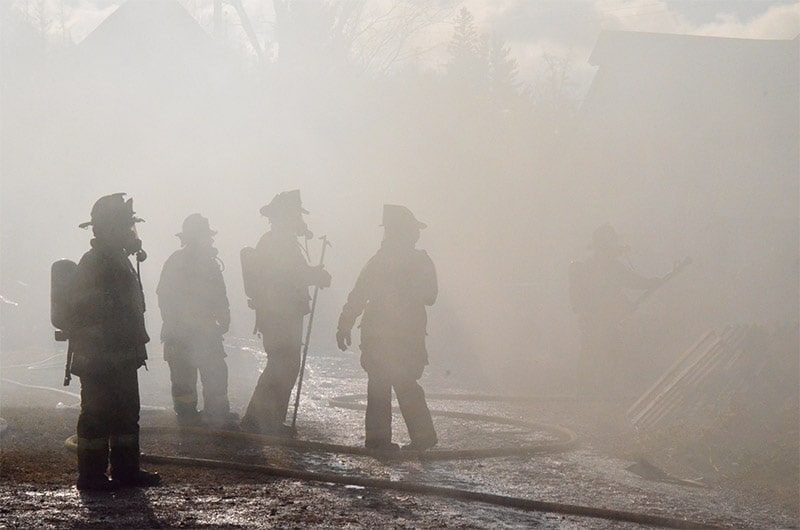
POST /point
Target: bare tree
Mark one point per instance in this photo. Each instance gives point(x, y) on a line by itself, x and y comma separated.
point(383, 41)
point(350, 32)
point(36, 13)
point(555, 87)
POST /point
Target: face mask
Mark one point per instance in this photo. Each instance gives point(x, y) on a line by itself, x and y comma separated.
point(133, 245)
point(301, 229)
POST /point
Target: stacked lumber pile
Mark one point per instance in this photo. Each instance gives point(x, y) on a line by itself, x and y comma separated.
point(718, 369)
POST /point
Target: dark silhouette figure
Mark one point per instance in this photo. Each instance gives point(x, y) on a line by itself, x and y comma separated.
point(194, 307)
point(597, 295)
point(108, 338)
point(392, 291)
point(277, 277)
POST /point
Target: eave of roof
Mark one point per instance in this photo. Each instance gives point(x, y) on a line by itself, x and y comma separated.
point(613, 45)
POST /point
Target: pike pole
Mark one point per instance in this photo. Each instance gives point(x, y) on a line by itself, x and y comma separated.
point(325, 244)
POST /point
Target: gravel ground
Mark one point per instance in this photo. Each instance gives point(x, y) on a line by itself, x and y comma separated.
point(38, 473)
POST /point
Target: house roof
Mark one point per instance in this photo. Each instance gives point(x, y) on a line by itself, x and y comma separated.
point(717, 118)
point(679, 77)
point(148, 40)
point(148, 26)
point(625, 46)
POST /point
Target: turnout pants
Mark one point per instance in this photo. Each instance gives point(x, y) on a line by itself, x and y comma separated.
point(413, 407)
point(184, 366)
point(108, 424)
point(270, 401)
point(600, 367)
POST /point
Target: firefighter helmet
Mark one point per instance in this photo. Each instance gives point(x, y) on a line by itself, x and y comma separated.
point(112, 209)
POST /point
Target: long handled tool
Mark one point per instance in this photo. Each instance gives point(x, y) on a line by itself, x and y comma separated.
point(325, 244)
point(678, 267)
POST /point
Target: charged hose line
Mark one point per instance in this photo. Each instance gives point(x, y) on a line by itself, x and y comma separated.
point(566, 438)
point(414, 487)
point(322, 447)
point(148, 408)
point(37, 387)
point(39, 364)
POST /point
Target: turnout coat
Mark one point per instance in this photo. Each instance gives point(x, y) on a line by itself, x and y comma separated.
point(282, 279)
point(193, 301)
point(107, 331)
point(392, 291)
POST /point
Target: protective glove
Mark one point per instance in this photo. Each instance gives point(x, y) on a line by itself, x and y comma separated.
point(343, 339)
point(322, 278)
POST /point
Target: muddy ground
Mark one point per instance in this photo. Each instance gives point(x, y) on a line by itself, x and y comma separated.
point(38, 472)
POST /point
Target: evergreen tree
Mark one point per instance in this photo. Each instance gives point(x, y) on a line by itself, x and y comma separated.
point(502, 70)
point(467, 64)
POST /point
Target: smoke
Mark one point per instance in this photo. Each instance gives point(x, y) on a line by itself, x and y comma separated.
point(511, 177)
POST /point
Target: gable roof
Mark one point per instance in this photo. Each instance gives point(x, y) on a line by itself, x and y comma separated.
point(650, 70)
point(624, 46)
point(148, 40)
point(148, 27)
point(718, 117)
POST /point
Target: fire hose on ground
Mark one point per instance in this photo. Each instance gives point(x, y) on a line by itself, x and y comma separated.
point(566, 440)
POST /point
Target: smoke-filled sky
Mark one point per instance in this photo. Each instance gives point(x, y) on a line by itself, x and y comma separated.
point(688, 147)
point(533, 29)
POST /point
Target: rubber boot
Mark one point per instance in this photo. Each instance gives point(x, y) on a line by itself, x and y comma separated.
point(125, 464)
point(225, 422)
point(92, 465)
point(217, 412)
point(278, 429)
point(381, 445)
point(189, 419)
point(421, 445)
point(186, 412)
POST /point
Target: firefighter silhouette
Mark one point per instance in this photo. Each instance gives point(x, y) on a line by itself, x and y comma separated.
point(107, 337)
point(597, 294)
point(392, 291)
point(195, 311)
point(277, 277)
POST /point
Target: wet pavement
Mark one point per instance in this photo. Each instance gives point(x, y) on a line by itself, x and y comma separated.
point(593, 474)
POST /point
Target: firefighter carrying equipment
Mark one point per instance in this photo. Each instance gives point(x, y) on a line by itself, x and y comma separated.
point(62, 273)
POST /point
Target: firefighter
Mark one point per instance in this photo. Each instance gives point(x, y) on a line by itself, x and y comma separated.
point(108, 340)
point(277, 284)
point(597, 286)
point(392, 291)
point(195, 311)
